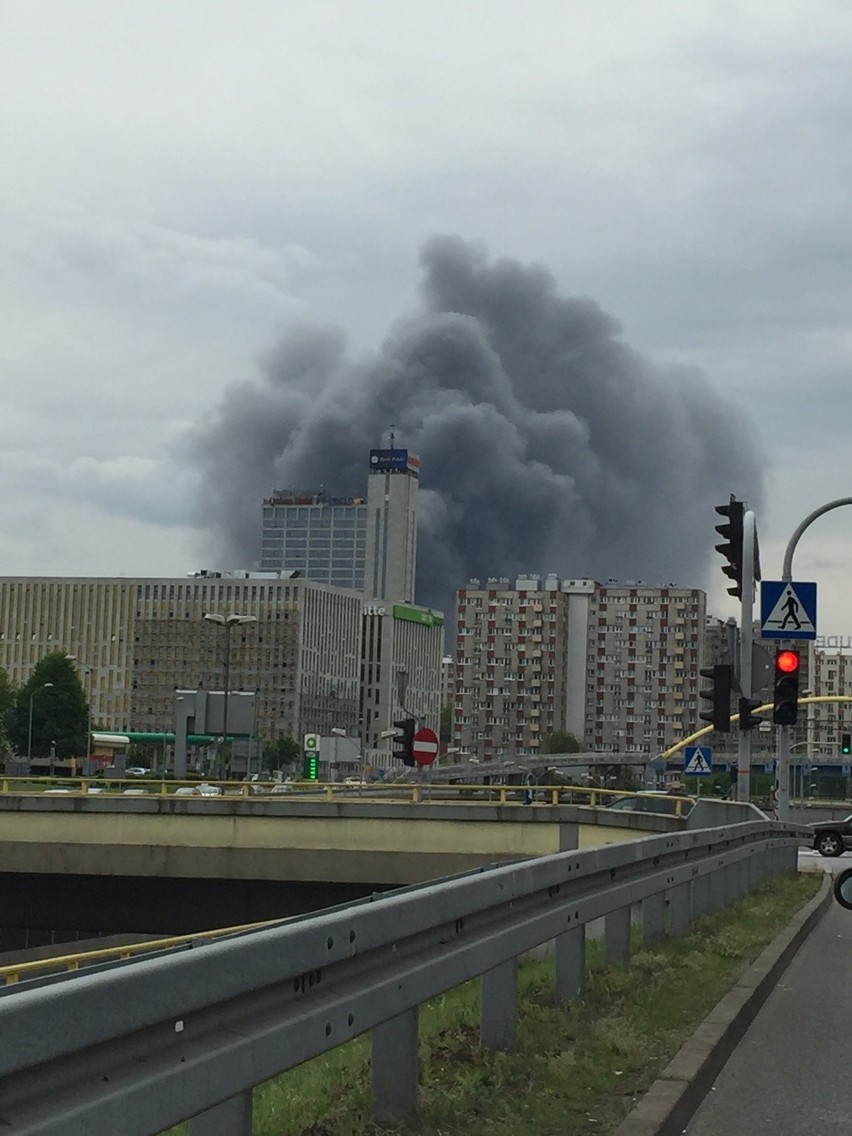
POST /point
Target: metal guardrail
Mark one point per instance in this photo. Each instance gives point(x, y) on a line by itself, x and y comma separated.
point(141, 1047)
point(13, 973)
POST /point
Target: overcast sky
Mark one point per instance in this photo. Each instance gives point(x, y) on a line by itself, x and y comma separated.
point(185, 182)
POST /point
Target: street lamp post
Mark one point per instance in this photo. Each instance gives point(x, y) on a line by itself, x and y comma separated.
point(44, 686)
point(228, 622)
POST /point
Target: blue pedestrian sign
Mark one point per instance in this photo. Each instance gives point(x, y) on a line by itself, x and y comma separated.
point(788, 609)
point(698, 761)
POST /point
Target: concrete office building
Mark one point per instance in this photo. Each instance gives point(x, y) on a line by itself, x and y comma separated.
point(402, 650)
point(368, 543)
point(138, 639)
point(318, 656)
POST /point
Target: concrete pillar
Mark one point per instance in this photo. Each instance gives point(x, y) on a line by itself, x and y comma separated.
point(700, 896)
point(716, 891)
point(570, 952)
point(230, 1118)
point(680, 909)
point(617, 931)
point(653, 913)
point(395, 1068)
point(498, 1006)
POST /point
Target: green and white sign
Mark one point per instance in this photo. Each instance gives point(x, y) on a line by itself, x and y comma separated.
point(418, 615)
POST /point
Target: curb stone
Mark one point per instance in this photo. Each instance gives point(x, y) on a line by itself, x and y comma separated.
point(673, 1099)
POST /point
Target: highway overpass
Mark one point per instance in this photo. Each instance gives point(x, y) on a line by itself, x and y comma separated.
point(162, 864)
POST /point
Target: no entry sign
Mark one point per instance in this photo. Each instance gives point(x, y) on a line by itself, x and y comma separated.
point(425, 746)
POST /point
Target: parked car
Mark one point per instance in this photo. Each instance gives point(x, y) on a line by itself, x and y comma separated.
point(832, 837)
point(201, 790)
point(653, 802)
point(136, 771)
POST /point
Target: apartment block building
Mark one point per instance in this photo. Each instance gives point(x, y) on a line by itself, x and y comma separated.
point(511, 666)
point(644, 649)
point(616, 665)
point(822, 724)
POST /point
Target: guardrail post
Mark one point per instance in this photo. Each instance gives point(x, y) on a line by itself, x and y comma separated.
point(570, 955)
point(653, 912)
point(395, 1067)
point(498, 1006)
point(680, 911)
point(617, 933)
point(230, 1118)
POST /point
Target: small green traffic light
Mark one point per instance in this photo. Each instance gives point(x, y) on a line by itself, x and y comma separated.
point(846, 743)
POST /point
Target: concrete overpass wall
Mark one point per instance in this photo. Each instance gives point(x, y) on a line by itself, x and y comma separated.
point(347, 842)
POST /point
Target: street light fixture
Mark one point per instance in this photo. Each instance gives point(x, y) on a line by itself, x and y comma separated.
point(228, 622)
point(44, 686)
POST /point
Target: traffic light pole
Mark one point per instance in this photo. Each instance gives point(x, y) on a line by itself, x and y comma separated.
point(745, 662)
point(782, 750)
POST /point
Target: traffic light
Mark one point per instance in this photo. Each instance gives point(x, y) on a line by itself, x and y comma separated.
point(785, 710)
point(403, 743)
point(748, 720)
point(732, 532)
point(718, 695)
point(846, 743)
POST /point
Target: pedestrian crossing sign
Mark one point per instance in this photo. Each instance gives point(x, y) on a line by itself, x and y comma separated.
point(788, 609)
point(698, 761)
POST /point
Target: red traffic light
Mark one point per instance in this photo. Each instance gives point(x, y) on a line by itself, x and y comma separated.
point(787, 661)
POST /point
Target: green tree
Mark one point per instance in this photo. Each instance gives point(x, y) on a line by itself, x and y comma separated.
point(446, 727)
point(281, 752)
point(60, 713)
point(7, 709)
point(560, 741)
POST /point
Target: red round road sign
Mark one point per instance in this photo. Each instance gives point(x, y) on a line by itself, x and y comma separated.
point(425, 746)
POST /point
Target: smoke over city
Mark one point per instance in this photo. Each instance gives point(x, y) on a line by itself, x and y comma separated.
point(547, 444)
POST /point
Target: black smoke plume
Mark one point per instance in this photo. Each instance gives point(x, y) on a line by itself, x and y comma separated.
point(547, 444)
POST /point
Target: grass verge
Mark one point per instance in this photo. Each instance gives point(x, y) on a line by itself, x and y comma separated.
point(578, 1069)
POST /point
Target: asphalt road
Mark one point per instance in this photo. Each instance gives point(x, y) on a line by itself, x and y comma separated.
point(790, 1074)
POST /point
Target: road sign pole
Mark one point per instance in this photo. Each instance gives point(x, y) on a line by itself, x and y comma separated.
point(745, 667)
point(782, 755)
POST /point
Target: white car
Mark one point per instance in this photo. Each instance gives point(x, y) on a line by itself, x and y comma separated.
point(136, 771)
point(202, 790)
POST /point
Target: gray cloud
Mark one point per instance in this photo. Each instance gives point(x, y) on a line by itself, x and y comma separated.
point(547, 444)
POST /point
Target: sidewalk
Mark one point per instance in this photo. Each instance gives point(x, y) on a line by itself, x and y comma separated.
point(772, 1056)
point(790, 1073)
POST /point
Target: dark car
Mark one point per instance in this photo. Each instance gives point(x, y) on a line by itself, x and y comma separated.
point(832, 837)
point(653, 802)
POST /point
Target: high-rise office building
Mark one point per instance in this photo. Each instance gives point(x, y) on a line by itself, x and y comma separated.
point(368, 543)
